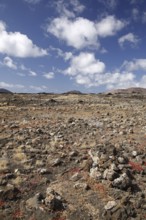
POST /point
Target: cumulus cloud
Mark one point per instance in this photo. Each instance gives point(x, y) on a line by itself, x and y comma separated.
point(7, 61)
point(126, 77)
point(134, 65)
point(118, 80)
point(85, 64)
point(17, 44)
point(84, 68)
point(109, 26)
point(88, 71)
point(77, 33)
point(130, 37)
point(49, 75)
point(81, 32)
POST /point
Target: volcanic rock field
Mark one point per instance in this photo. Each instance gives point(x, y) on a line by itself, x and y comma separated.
point(73, 156)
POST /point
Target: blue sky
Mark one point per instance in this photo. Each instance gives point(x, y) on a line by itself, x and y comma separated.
point(62, 45)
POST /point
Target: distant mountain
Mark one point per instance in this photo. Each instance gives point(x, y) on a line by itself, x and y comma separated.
point(4, 91)
point(133, 90)
point(73, 92)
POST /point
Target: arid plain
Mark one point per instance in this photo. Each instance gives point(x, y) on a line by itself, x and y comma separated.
point(73, 156)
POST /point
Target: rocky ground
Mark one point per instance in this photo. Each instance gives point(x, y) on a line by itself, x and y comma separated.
point(72, 157)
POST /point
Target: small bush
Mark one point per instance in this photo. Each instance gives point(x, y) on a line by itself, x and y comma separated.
point(136, 166)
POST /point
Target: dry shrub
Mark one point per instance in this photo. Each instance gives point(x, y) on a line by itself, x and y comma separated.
point(18, 214)
point(2, 204)
point(136, 166)
point(100, 188)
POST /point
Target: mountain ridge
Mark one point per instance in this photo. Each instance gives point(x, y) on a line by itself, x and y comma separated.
point(131, 90)
point(2, 90)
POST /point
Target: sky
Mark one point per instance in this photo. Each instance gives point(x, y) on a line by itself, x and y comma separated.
point(62, 45)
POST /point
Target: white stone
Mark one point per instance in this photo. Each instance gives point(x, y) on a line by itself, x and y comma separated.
point(109, 174)
point(94, 157)
point(121, 160)
point(110, 205)
point(75, 177)
point(134, 153)
point(94, 173)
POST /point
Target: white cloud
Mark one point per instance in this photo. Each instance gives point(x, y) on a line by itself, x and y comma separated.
point(27, 71)
point(23, 88)
point(136, 64)
point(136, 2)
point(33, 1)
point(69, 8)
point(118, 80)
point(109, 26)
point(49, 75)
point(112, 3)
point(38, 88)
point(103, 50)
point(7, 61)
point(135, 14)
point(78, 33)
point(77, 6)
point(143, 82)
point(22, 67)
point(32, 73)
point(17, 44)
point(130, 37)
point(109, 3)
point(126, 78)
point(21, 74)
point(67, 55)
point(81, 32)
point(60, 53)
point(139, 15)
point(10, 85)
point(86, 70)
point(133, 1)
point(85, 64)
point(83, 80)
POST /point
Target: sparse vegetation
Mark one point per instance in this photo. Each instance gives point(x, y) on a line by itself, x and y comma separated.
point(72, 156)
